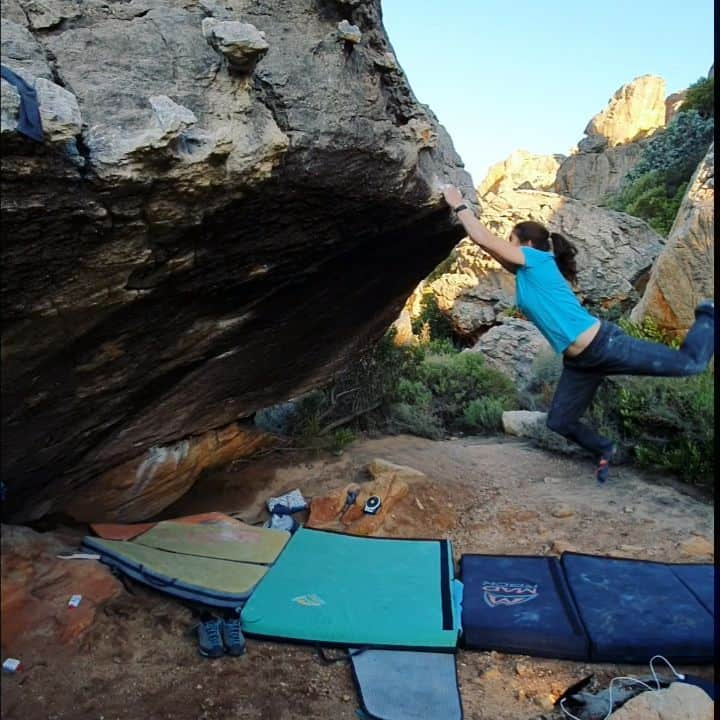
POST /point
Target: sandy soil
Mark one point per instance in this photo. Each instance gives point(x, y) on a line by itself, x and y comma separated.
point(139, 659)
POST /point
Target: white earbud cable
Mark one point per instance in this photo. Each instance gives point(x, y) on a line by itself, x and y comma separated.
point(678, 675)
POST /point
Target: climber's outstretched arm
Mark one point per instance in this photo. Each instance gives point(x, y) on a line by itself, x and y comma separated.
point(509, 256)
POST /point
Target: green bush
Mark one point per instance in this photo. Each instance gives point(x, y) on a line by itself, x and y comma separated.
point(653, 190)
point(416, 420)
point(413, 392)
point(485, 414)
point(340, 439)
point(701, 97)
point(457, 379)
point(432, 324)
point(678, 149)
point(670, 422)
point(648, 329)
point(666, 423)
point(544, 375)
point(651, 197)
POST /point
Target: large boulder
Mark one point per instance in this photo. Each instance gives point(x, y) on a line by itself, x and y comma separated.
point(475, 292)
point(512, 347)
point(614, 140)
point(635, 111)
point(230, 205)
point(615, 250)
point(685, 271)
point(593, 176)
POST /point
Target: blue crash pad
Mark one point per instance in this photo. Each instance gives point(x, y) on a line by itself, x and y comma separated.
point(700, 580)
point(634, 609)
point(520, 604)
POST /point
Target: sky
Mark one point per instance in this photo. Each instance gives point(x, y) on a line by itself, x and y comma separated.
point(503, 75)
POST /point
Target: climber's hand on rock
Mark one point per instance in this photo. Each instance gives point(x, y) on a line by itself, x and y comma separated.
point(452, 195)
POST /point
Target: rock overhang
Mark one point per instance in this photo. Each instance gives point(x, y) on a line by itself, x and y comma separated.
point(196, 260)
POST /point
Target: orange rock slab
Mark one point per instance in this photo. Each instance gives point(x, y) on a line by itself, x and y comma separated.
point(36, 587)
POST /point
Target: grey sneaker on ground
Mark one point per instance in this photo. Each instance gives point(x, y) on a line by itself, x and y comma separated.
point(232, 636)
point(210, 638)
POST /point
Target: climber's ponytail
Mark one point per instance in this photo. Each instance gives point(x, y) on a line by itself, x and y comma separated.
point(537, 235)
point(564, 252)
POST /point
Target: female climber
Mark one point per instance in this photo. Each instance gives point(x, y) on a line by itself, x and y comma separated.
point(544, 266)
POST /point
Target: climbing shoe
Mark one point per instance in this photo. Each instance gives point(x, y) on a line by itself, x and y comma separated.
point(706, 307)
point(602, 472)
point(210, 638)
point(232, 637)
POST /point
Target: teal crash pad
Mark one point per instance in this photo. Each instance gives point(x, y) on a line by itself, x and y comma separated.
point(334, 589)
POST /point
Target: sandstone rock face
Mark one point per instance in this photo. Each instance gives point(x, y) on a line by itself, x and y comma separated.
point(673, 103)
point(36, 587)
point(685, 271)
point(635, 111)
point(403, 329)
point(512, 347)
point(522, 170)
point(592, 176)
point(475, 292)
point(211, 225)
point(143, 486)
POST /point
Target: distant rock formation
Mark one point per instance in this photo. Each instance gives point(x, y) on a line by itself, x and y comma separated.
point(521, 171)
point(635, 111)
point(615, 139)
point(593, 176)
point(684, 272)
point(673, 103)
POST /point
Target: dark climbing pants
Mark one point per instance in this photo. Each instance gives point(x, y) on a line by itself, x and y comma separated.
point(612, 352)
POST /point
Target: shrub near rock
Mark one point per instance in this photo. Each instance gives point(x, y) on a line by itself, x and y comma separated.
point(653, 190)
point(667, 423)
point(455, 380)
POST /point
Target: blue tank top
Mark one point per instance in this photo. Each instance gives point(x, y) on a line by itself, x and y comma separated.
point(546, 299)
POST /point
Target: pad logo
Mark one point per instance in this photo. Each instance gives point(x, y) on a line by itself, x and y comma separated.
point(508, 593)
point(309, 600)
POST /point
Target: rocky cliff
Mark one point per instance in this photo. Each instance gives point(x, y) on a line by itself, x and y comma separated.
point(684, 272)
point(229, 201)
point(614, 139)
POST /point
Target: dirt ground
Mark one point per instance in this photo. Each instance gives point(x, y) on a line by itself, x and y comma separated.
point(139, 659)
